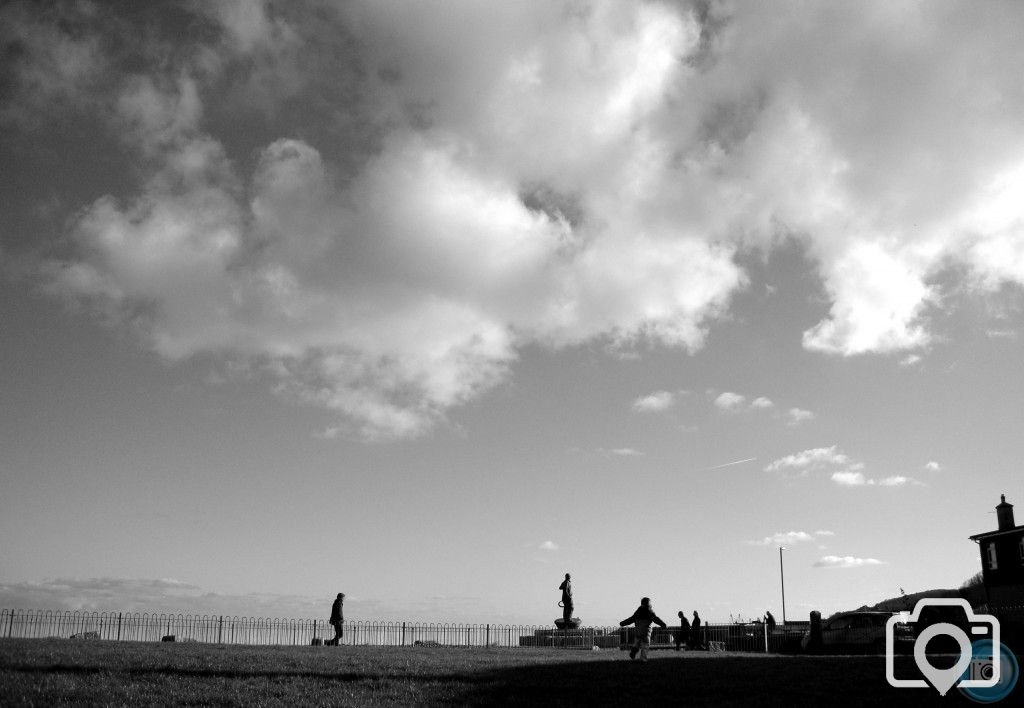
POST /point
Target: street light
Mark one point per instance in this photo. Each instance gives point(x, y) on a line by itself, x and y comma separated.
point(782, 579)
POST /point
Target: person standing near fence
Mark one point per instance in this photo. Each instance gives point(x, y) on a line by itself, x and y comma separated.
point(337, 619)
point(643, 618)
point(566, 603)
point(695, 638)
point(684, 631)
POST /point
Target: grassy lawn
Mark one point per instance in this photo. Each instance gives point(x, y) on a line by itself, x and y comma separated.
point(59, 671)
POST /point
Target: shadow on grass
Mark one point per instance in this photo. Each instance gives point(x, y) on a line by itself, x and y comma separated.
point(711, 681)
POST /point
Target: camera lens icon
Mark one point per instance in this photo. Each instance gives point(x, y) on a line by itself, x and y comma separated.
point(964, 673)
point(990, 663)
point(982, 670)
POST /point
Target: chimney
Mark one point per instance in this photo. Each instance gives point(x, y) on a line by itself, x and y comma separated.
point(1004, 513)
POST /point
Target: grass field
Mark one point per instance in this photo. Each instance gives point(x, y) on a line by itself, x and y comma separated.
point(61, 672)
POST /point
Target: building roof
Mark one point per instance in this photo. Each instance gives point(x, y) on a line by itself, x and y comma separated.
point(993, 534)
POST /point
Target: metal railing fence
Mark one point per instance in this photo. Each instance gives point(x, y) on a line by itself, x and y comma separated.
point(268, 631)
point(225, 629)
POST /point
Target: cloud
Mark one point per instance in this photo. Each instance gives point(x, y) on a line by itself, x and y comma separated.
point(625, 452)
point(857, 479)
point(654, 402)
point(163, 595)
point(849, 479)
point(781, 539)
point(549, 546)
point(474, 182)
point(730, 402)
point(845, 562)
point(933, 466)
point(796, 416)
point(878, 299)
point(790, 538)
point(812, 460)
point(894, 481)
point(840, 467)
point(408, 288)
point(48, 63)
point(173, 597)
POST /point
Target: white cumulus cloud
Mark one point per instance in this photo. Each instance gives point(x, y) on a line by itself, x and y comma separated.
point(471, 182)
point(654, 402)
point(845, 562)
point(796, 416)
point(783, 538)
point(857, 479)
point(729, 401)
point(849, 479)
point(812, 460)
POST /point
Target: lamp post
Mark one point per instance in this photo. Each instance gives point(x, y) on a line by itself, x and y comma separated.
point(782, 579)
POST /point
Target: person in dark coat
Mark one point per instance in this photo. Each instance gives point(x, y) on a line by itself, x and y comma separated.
point(684, 631)
point(566, 603)
point(337, 619)
point(695, 639)
point(643, 618)
point(770, 621)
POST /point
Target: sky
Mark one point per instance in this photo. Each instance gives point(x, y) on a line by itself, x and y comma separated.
point(432, 303)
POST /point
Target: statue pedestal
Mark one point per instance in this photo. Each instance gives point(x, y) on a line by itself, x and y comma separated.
point(574, 623)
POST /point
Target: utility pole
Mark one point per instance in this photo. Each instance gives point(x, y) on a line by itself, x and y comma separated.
point(782, 579)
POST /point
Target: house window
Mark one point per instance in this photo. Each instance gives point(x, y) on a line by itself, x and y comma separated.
point(990, 551)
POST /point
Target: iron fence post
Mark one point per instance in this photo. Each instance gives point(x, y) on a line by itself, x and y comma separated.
point(403, 634)
point(488, 636)
point(10, 624)
point(220, 629)
point(119, 626)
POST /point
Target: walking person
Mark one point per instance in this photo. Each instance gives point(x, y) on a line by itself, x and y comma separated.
point(684, 631)
point(643, 618)
point(695, 638)
point(566, 602)
point(337, 619)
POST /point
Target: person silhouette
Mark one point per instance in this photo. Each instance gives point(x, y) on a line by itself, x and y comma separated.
point(695, 638)
point(643, 618)
point(337, 619)
point(684, 630)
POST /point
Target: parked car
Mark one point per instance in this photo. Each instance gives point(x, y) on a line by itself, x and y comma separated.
point(861, 632)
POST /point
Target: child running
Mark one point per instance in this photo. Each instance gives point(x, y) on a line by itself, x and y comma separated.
point(644, 617)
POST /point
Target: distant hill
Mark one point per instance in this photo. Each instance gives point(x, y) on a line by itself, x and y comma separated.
point(907, 602)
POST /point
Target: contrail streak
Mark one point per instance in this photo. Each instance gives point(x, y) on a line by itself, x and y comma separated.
point(729, 464)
